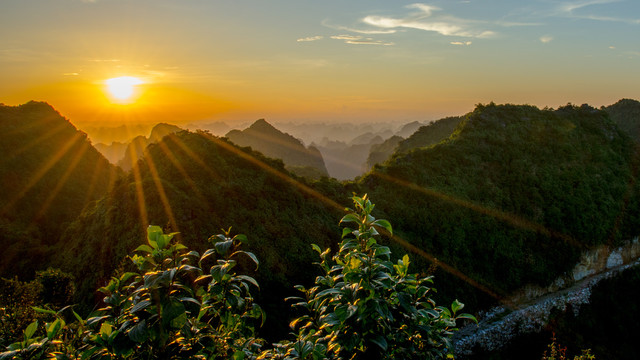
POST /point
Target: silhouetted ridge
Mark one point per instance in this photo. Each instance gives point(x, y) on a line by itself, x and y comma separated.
point(626, 113)
point(136, 147)
point(270, 141)
point(48, 173)
point(430, 134)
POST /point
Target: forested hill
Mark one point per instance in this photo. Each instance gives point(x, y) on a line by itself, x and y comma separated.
point(198, 184)
point(263, 137)
point(48, 173)
point(430, 134)
point(626, 113)
point(514, 195)
point(422, 136)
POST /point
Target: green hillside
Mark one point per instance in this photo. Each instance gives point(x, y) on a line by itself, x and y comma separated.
point(198, 184)
point(48, 173)
point(430, 134)
point(514, 195)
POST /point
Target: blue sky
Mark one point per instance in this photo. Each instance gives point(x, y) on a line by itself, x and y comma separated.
point(317, 60)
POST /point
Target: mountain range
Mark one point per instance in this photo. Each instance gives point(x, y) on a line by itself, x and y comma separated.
point(504, 196)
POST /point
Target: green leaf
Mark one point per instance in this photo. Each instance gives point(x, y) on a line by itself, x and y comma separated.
point(456, 305)
point(153, 233)
point(467, 316)
point(145, 248)
point(381, 342)
point(241, 238)
point(345, 232)
point(179, 321)
point(316, 248)
point(248, 279)
point(139, 332)
point(207, 253)
point(350, 218)
point(31, 329)
point(381, 251)
point(126, 276)
point(96, 319)
point(383, 224)
point(249, 254)
point(178, 247)
point(78, 317)
point(222, 247)
point(43, 311)
point(54, 328)
point(174, 313)
point(106, 329)
point(140, 306)
point(163, 241)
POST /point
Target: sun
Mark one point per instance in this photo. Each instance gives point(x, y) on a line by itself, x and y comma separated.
point(122, 88)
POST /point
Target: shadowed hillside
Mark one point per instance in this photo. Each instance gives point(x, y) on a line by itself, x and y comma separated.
point(136, 147)
point(418, 136)
point(626, 113)
point(198, 184)
point(263, 137)
point(48, 172)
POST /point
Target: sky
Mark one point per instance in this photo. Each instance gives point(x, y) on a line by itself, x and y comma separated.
point(302, 60)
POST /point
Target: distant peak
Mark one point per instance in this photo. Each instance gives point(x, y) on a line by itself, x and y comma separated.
point(262, 124)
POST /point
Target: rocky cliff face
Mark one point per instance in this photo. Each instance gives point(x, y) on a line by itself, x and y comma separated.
point(528, 310)
point(592, 262)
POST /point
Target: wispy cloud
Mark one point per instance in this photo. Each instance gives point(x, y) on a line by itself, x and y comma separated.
point(570, 6)
point(428, 18)
point(347, 37)
point(360, 40)
point(570, 9)
point(546, 39)
point(463, 43)
point(310, 38)
point(358, 31)
point(104, 60)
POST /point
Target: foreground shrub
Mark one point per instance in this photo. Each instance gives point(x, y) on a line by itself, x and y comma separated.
point(364, 306)
point(183, 304)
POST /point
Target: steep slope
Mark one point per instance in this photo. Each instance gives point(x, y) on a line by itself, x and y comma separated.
point(379, 153)
point(416, 136)
point(626, 113)
point(113, 152)
point(270, 141)
point(198, 184)
point(48, 173)
point(408, 129)
point(512, 197)
point(344, 161)
point(136, 147)
point(430, 134)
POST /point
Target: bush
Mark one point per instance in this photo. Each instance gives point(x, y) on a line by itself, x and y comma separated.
point(182, 304)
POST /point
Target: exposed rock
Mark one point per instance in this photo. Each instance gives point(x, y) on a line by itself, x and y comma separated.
point(615, 258)
point(534, 304)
